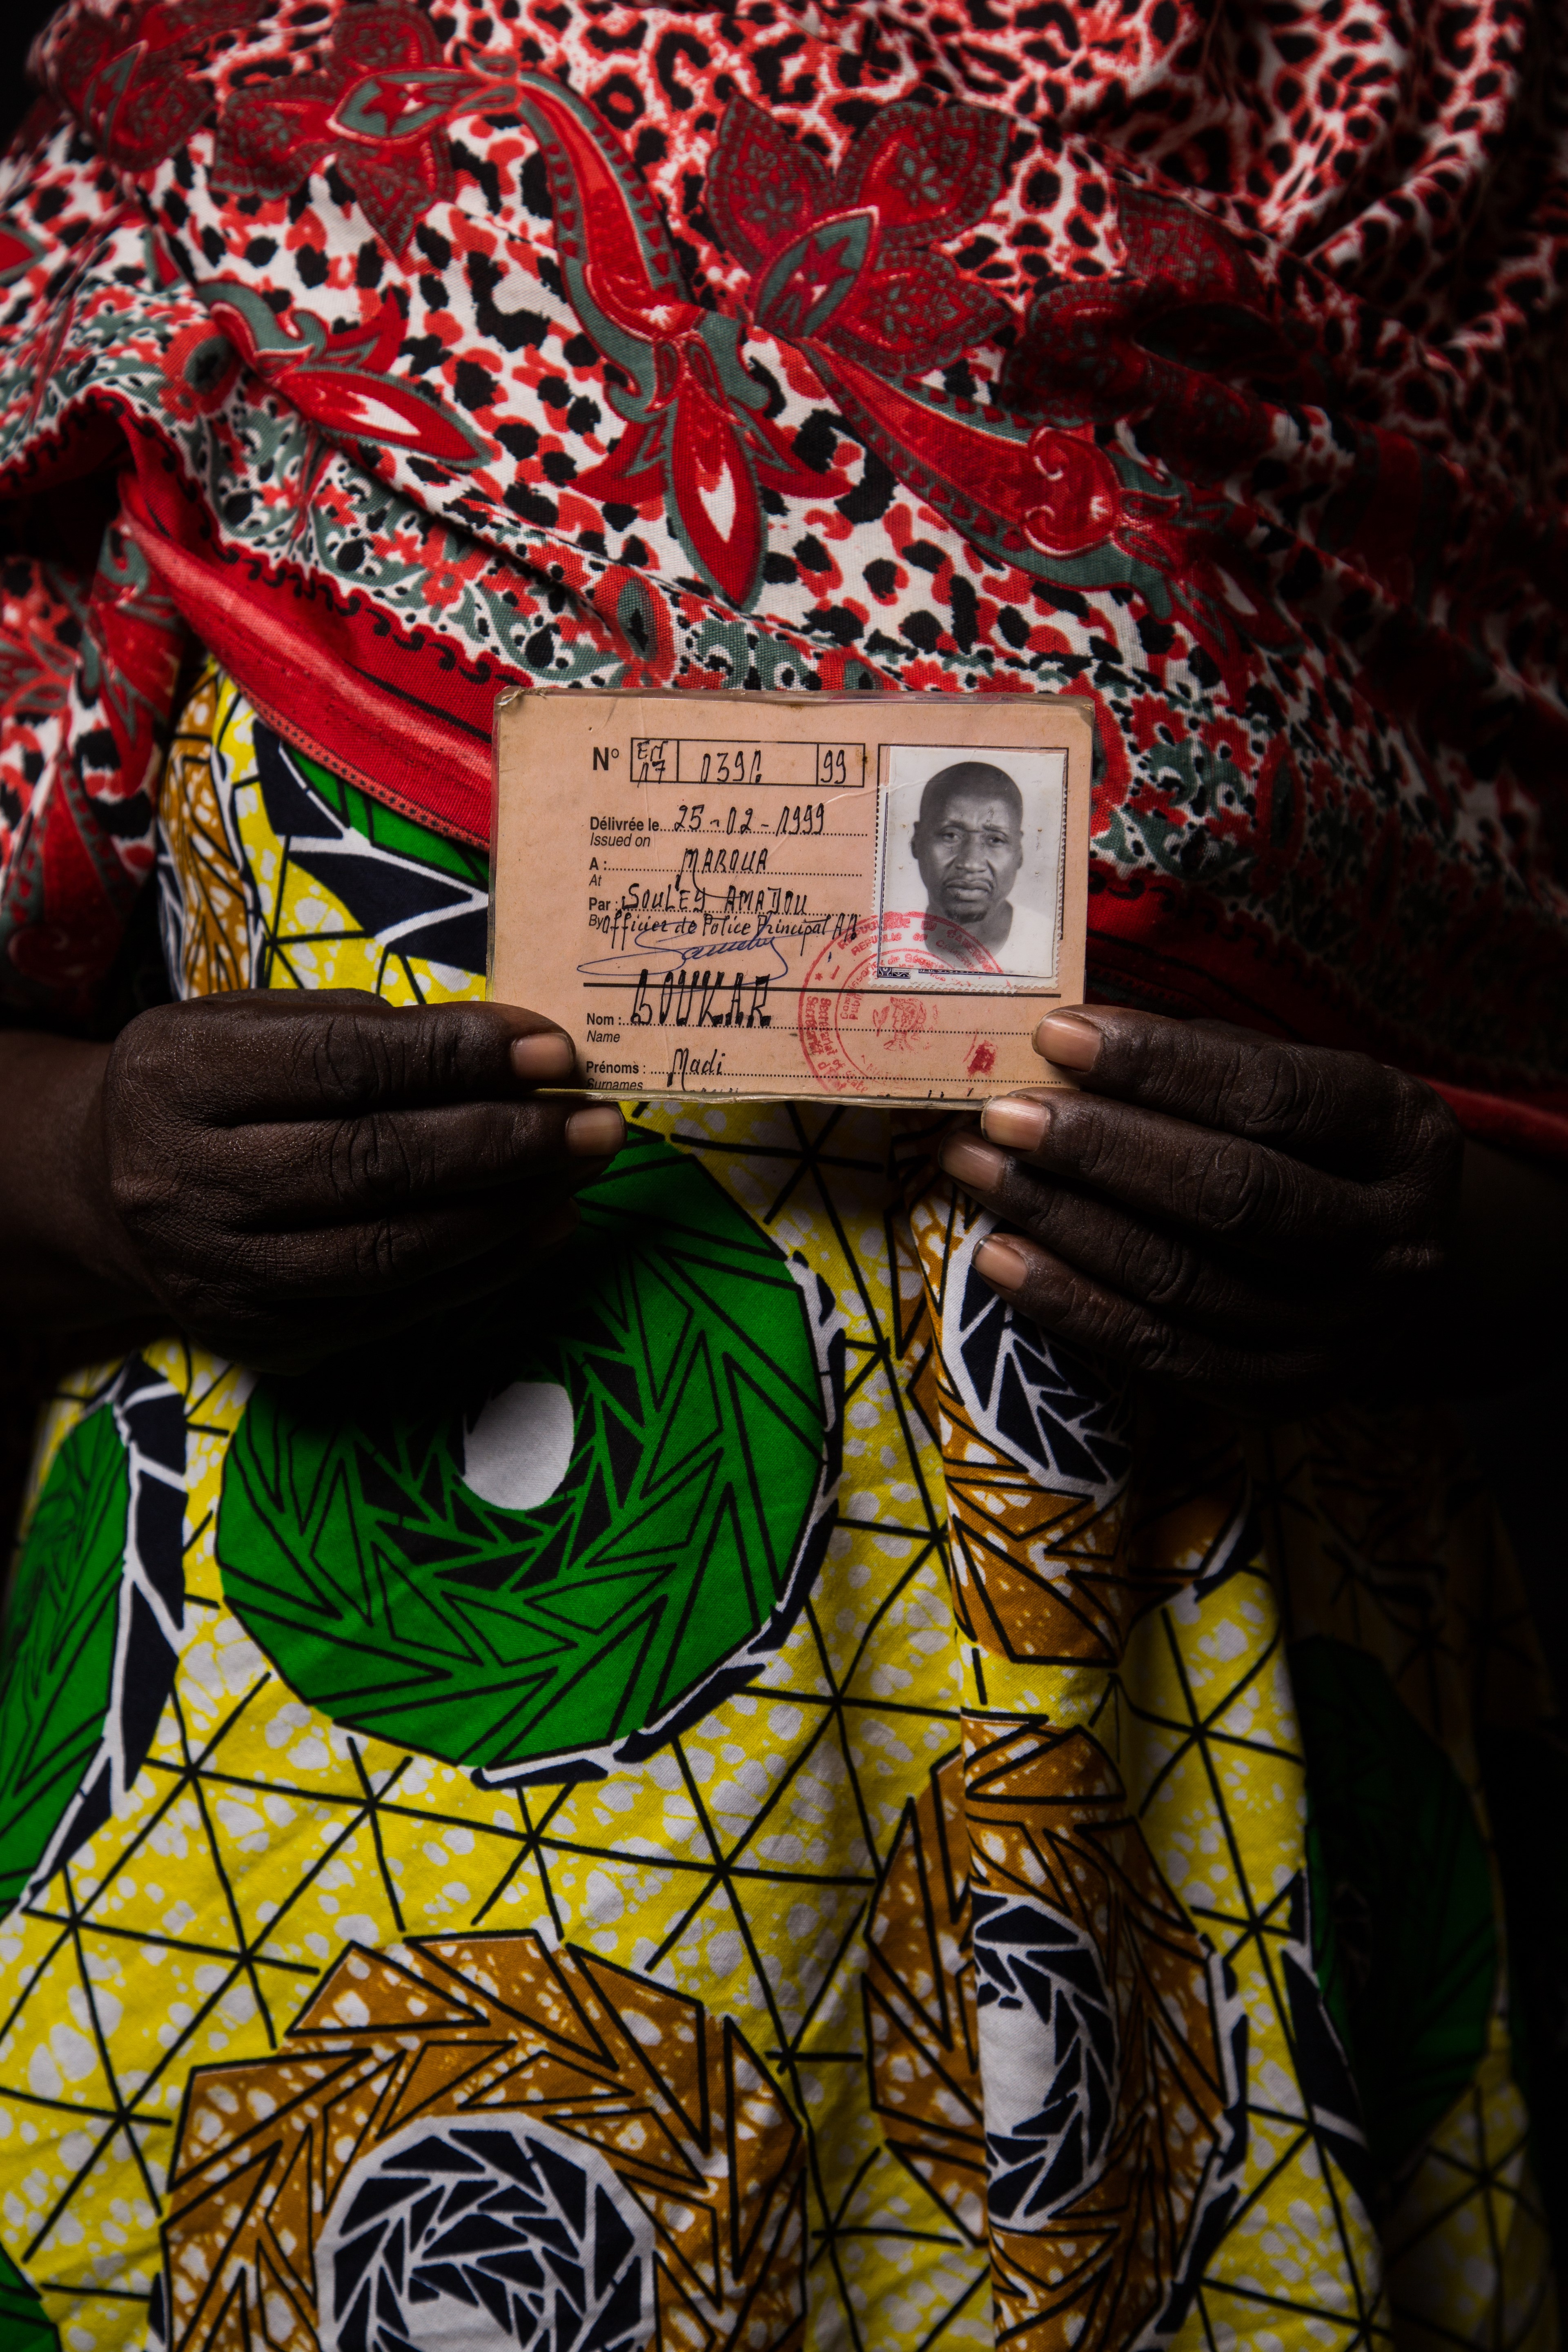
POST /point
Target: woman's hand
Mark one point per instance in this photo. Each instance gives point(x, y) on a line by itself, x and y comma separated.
point(283, 1176)
point(1272, 1225)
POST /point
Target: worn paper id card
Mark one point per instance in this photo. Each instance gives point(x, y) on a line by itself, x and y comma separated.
point(735, 894)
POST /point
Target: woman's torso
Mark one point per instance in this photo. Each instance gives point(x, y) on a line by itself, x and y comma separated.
point(734, 1797)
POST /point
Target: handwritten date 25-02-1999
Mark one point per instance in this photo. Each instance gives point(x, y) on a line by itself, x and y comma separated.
point(795, 818)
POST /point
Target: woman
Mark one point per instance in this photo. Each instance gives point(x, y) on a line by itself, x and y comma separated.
point(686, 1726)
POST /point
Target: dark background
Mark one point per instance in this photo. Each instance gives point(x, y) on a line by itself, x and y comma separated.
point(19, 20)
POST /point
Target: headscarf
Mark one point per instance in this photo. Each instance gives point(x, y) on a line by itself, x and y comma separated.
point(1206, 364)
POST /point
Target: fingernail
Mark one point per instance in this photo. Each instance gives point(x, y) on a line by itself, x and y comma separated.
point(546, 1053)
point(1003, 1265)
point(1016, 1122)
point(973, 1164)
point(596, 1133)
point(1067, 1039)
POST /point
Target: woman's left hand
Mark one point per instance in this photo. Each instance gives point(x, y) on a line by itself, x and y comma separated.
point(1272, 1225)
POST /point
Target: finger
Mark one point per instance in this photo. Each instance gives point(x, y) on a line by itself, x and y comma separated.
point(311, 1172)
point(1249, 1383)
point(1220, 1187)
point(1342, 1109)
point(260, 1055)
point(1212, 1291)
point(301, 1336)
point(393, 1251)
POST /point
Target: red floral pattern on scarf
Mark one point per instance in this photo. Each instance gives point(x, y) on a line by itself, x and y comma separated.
point(132, 84)
point(853, 260)
point(1237, 411)
point(378, 108)
point(1176, 343)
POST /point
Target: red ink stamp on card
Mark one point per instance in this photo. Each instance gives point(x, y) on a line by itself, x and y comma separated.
point(855, 1032)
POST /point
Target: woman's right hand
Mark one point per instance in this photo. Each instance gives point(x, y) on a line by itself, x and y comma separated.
point(282, 1176)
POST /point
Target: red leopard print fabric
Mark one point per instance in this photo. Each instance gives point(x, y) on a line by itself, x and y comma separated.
point(1206, 363)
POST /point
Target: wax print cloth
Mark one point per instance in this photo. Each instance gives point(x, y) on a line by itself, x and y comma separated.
point(1204, 363)
point(736, 1797)
point(742, 1798)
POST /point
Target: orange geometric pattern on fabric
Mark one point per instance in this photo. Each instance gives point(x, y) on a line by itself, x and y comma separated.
point(213, 932)
point(1042, 1576)
point(922, 2032)
point(1048, 1822)
point(489, 2029)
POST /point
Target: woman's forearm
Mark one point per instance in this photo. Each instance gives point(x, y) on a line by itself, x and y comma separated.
point(67, 1282)
point(59, 1269)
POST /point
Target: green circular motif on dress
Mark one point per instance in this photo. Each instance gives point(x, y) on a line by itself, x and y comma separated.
point(561, 1527)
point(24, 2325)
point(91, 1623)
point(59, 1669)
point(1403, 1924)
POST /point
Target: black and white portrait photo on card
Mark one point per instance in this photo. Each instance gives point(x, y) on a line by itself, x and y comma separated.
point(970, 872)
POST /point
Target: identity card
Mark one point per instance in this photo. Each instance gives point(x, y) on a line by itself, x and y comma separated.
point(762, 895)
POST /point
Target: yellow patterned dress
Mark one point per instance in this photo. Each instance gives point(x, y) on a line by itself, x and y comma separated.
point(738, 1798)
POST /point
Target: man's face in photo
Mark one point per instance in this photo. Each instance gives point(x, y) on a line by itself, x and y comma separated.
point(969, 848)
